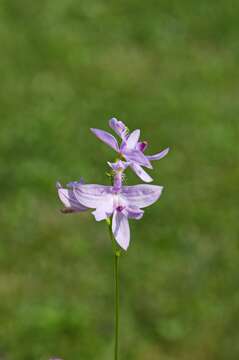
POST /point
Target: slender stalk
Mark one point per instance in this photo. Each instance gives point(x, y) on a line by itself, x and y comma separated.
point(116, 252)
point(116, 273)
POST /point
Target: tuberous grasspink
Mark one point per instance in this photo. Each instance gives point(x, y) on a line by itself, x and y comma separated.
point(116, 203)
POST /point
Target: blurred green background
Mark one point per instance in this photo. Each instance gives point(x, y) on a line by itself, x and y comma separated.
point(171, 69)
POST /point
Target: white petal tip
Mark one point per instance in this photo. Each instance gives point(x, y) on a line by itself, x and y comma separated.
point(122, 246)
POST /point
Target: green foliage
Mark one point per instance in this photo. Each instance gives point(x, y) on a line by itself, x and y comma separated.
point(170, 68)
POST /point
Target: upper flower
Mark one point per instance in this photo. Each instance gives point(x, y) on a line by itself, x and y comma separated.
point(130, 149)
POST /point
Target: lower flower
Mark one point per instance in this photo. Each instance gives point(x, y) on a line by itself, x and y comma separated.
point(121, 204)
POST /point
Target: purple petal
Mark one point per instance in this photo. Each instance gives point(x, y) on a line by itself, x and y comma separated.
point(135, 213)
point(69, 200)
point(133, 139)
point(158, 156)
point(75, 183)
point(106, 138)
point(92, 195)
point(138, 157)
point(104, 210)
point(100, 214)
point(140, 172)
point(119, 127)
point(141, 195)
point(121, 230)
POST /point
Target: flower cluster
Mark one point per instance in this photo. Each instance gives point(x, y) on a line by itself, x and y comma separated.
point(116, 202)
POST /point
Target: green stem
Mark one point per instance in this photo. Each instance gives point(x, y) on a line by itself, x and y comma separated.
point(116, 252)
point(116, 272)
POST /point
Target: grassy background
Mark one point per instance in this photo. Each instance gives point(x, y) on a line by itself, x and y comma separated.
point(170, 68)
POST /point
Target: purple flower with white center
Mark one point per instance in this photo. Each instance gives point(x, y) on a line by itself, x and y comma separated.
point(130, 149)
point(123, 204)
point(120, 202)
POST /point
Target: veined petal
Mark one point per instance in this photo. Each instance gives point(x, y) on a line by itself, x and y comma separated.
point(138, 157)
point(92, 195)
point(135, 213)
point(142, 195)
point(69, 200)
point(140, 172)
point(105, 210)
point(158, 156)
point(121, 230)
point(75, 183)
point(119, 127)
point(99, 214)
point(133, 139)
point(107, 138)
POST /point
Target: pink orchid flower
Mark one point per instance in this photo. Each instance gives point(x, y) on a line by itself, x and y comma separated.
point(130, 149)
point(122, 203)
